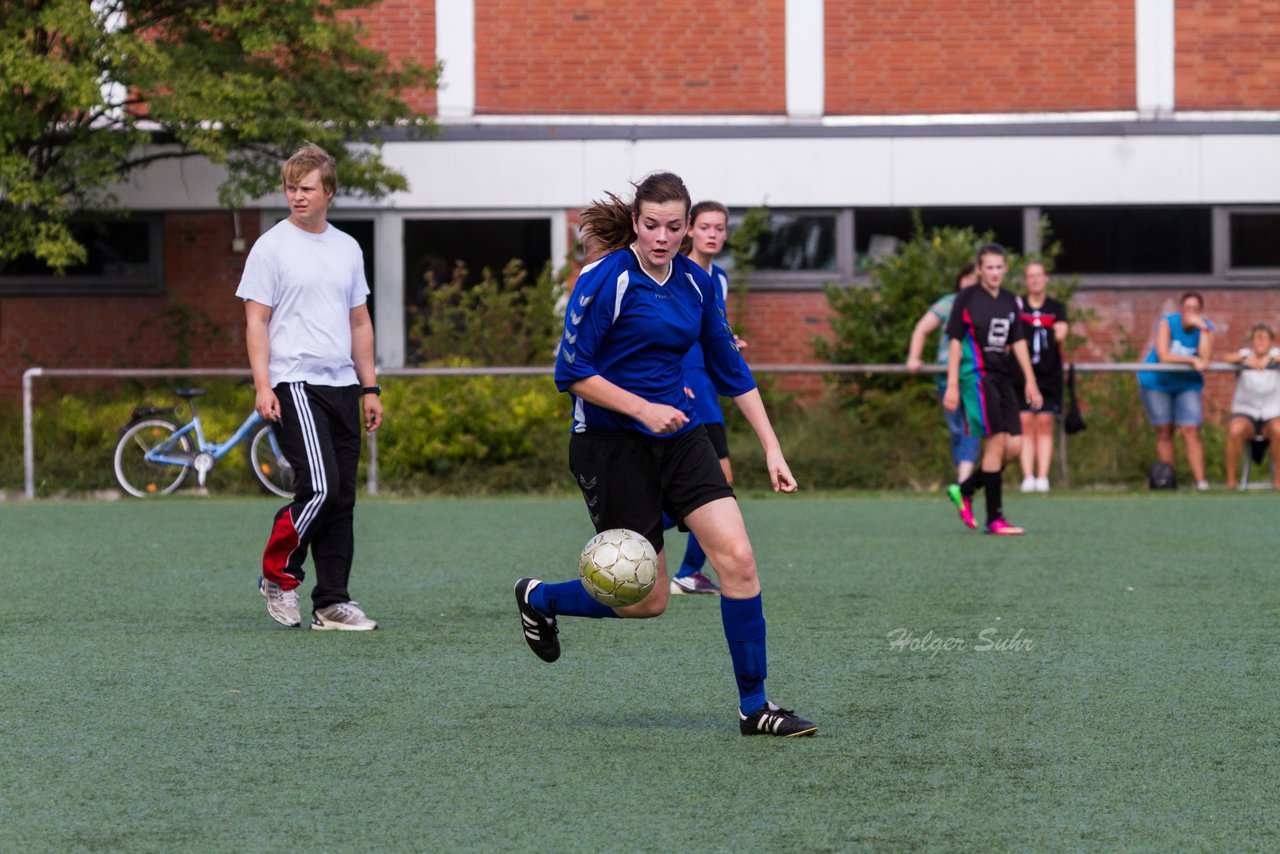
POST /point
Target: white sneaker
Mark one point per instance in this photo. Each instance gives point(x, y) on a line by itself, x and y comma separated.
point(341, 617)
point(282, 604)
point(1028, 484)
point(1202, 486)
point(1042, 484)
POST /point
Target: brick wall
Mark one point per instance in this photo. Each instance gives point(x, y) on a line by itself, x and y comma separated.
point(965, 56)
point(779, 328)
point(882, 56)
point(404, 30)
point(201, 274)
point(1227, 54)
point(630, 56)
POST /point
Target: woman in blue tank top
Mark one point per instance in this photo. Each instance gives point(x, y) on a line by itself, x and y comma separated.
point(1173, 397)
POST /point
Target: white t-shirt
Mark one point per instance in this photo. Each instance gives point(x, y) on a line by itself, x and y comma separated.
point(310, 282)
point(1258, 392)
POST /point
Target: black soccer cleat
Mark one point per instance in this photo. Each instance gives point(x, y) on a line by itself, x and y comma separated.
point(540, 631)
point(772, 720)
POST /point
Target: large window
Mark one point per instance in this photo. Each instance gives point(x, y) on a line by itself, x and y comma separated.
point(798, 242)
point(1133, 240)
point(433, 247)
point(879, 231)
point(124, 256)
point(799, 248)
point(1254, 239)
point(1106, 245)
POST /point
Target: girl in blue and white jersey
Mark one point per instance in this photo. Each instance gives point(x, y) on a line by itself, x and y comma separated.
point(709, 226)
point(637, 446)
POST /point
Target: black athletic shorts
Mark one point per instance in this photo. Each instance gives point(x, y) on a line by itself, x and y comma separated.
point(1259, 425)
point(719, 441)
point(1052, 400)
point(991, 406)
point(629, 478)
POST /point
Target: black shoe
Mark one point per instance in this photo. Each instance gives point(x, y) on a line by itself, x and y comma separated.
point(539, 630)
point(771, 720)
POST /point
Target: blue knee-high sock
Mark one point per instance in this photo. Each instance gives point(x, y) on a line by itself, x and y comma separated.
point(667, 522)
point(567, 599)
point(744, 630)
point(694, 558)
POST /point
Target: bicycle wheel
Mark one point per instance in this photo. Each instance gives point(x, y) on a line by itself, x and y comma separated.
point(269, 465)
point(138, 475)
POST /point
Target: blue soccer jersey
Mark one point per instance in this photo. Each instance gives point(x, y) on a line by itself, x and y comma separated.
point(706, 399)
point(635, 332)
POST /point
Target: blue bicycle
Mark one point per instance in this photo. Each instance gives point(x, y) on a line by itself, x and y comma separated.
point(155, 453)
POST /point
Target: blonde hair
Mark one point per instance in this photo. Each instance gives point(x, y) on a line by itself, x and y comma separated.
point(609, 225)
point(307, 159)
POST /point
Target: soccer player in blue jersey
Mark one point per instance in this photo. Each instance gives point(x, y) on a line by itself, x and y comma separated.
point(637, 448)
point(986, 321)
point(709, 227)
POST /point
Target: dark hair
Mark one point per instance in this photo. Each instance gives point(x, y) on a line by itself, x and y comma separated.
point(1261, 327)
point(686, 245)
point(966, 270)
point(609, 225)
point(706, 207)
point(990, 249)
point(1189, 295)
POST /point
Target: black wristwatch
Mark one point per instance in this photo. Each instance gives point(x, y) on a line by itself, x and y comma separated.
point(372, 389)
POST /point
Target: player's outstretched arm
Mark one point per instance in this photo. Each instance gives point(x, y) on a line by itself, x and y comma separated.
point(924, 327)
point(753, 410)
point(951, 397)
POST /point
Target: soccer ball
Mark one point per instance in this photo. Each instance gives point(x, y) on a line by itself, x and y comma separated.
point(618, 567)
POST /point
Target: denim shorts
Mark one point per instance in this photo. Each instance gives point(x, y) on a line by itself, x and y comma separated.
point(964, 447)
point(1170, 407)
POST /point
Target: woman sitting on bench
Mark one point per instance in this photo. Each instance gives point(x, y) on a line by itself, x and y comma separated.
point(1255, 409)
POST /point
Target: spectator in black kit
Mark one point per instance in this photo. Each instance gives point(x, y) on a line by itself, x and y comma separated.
point(1046, 322)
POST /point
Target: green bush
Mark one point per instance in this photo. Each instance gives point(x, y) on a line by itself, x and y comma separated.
point(468, 435)
point(479, 435)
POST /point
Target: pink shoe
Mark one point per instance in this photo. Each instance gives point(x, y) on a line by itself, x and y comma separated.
point(1001, 528)
point(963, 505)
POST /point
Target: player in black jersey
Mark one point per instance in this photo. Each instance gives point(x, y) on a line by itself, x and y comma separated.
point(1046, 321)
point(985, 322)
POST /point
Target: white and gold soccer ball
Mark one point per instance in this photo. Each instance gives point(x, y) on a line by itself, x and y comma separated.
point(618, 567)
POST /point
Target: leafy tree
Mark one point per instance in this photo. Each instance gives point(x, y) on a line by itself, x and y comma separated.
point(96, 90)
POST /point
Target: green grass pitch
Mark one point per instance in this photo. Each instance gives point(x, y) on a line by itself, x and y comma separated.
point(1128, 700)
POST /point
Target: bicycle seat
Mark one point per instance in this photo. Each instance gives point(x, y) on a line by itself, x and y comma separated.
point(188, 393)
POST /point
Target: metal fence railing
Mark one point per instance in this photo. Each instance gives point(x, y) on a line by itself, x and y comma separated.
point(30, 376)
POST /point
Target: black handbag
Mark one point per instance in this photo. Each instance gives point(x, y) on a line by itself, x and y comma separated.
point(1074, 421)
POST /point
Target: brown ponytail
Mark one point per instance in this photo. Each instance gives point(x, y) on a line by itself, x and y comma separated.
point(609, 225)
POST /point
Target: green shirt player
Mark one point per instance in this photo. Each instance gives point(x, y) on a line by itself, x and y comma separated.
point(985, 325)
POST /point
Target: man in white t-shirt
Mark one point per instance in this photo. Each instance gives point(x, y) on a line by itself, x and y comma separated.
point(310, 342)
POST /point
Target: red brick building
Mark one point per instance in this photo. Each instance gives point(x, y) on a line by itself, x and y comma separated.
point(1148, 131)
